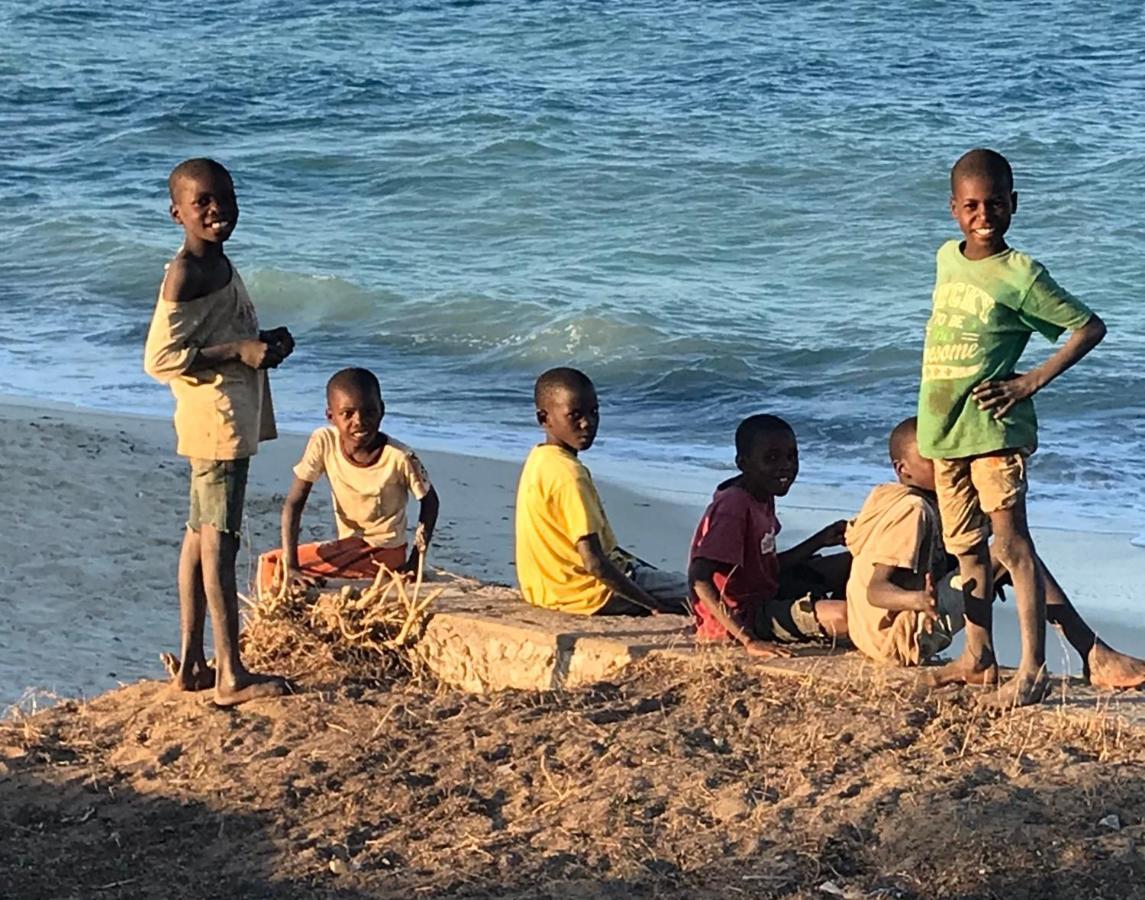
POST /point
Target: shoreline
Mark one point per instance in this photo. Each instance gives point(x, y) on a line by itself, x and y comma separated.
point(840, 483)
point(90, 600)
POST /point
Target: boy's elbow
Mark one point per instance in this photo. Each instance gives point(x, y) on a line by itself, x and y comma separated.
point(1097, 329)
point(698, 571)
point(590, 558)
point(165, 366)
point(593, 565)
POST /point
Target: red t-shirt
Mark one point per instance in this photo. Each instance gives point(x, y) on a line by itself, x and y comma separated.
point(740, 531)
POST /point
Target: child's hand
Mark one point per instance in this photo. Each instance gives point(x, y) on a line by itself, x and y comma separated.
point(927, 604)
point(295, 580)
point(833, 535)
point(280, 339)
point(766, 650)
point(1000, 397)
point(258, 354)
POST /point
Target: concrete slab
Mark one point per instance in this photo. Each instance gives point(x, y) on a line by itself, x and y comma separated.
point(483, 637)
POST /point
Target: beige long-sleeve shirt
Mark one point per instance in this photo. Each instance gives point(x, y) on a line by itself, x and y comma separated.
point(224, 411)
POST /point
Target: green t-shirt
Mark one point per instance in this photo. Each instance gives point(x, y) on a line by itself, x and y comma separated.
point(983, 315)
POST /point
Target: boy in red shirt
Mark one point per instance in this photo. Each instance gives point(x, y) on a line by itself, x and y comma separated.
point(742, 587)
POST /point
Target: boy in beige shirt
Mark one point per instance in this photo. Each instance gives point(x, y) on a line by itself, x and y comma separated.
point(904, 601)
point(371, 476)
point(205, 343)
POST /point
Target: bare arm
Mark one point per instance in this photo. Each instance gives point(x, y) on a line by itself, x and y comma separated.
point(426, 522)
point(1001, 396)
point(830, 536)
point(600, 567)
point(291, 523)
point(885, 594)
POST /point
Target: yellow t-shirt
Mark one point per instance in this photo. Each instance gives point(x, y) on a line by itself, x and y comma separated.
point(222, 412)
point(369, 501)
point(896, 527)
point(557, 505)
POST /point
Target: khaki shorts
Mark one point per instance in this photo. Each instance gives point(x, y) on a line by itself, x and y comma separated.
point(970, 489)
point(218, 489)
point(788, 621)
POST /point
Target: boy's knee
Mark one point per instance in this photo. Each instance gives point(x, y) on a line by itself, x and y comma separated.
point(1014, 551)
point(220, 544)
point(973, 556)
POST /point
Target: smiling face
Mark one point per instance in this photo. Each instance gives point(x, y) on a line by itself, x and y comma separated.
point(205, 205)
point(982, 205)
point(357, 414)
point(570, 417)
point(771, 465)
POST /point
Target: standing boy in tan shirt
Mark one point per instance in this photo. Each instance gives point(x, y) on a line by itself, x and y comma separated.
point(205, 343)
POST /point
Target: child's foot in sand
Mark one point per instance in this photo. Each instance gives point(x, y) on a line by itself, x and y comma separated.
point(250, 686)
point(961, 671)
point(199, 677)
point(1024, 689)
point(1107, 669)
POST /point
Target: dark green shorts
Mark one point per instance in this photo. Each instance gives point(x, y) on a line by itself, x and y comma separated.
point(218, 489)
point(790, 617)
point(788, 621)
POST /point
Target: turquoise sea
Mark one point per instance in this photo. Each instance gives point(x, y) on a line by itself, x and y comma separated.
point(713, 208)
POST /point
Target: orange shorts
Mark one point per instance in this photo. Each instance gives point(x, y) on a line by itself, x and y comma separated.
point(970, 489)
point(348, 558)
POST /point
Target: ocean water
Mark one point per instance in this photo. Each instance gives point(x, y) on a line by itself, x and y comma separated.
point(713, 208)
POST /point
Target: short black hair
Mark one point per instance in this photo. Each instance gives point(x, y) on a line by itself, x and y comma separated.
point(903, 434)
point(754, 427)
point(558, 379)
point(981, 162)
point(356, 380)
point(195, 168)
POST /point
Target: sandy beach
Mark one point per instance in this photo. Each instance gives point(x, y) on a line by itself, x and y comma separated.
point(96, 502)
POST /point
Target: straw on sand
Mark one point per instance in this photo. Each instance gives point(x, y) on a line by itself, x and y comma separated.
point(349, 634)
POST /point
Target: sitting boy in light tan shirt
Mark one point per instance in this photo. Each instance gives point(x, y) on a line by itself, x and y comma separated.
point(905, 602)
point(371, 476)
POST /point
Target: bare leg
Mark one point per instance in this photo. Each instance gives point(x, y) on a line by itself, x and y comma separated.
point(977, 664)
point(191, 673)
point(1104, 666)
point(832, 618)
point(1014, 549)
point(234, 683)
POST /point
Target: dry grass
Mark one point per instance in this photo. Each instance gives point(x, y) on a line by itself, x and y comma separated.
point(341, 635)
point(677, 781)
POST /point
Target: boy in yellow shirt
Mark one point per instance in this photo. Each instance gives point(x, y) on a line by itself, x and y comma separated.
point(904, 602)
point(205, 342)
point(567, 555)
point(371, 476)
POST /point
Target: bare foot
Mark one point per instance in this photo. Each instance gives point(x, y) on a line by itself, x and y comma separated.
point(1024, 689)
point(250, 686)
point(961, 671)
point(199, 677)
point(1111, 671)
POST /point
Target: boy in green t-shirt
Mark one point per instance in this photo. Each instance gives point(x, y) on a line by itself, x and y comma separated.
point(976, 414)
